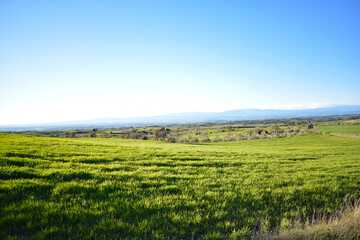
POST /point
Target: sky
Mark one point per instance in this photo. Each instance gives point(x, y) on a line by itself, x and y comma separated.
point(77, 60)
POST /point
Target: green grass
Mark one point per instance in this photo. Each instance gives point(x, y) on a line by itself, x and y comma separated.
point(53, 188)
point(347, 129)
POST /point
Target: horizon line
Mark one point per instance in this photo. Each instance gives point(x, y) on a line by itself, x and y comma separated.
point(175, 113)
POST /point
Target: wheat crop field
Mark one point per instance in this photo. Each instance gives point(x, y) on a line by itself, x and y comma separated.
point(84, 188)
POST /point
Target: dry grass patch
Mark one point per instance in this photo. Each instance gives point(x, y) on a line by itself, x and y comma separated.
point(344, 224)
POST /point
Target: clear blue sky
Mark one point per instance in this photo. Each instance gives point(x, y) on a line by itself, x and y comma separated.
point(72, 60)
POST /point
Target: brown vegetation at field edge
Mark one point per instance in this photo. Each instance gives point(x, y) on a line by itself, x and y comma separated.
point(344, 224)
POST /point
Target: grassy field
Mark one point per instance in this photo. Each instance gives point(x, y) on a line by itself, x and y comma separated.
point(83, 188)
point(340, 129)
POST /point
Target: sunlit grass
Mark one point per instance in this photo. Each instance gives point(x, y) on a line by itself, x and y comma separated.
point(113, 188)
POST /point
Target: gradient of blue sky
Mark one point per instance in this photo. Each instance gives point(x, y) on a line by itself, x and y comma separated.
point(68, 60)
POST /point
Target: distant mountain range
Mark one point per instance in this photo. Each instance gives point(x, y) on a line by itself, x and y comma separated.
point(187, 118)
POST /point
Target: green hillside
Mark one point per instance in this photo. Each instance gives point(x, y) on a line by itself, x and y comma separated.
point(83, 188)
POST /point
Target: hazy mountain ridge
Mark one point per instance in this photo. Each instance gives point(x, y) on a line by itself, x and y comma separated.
point(192, 117)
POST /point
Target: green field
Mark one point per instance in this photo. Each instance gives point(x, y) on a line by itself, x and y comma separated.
point(346, 129)
point(83, 188)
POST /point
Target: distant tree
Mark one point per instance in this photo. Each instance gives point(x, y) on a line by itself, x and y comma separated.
point(274, 128)
point(159, 133)
point(193, 139)
point(250, 131)
point(204, 139)
point(135, 135)
point(93, 133)
point(170, 139)
point(258, 130)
